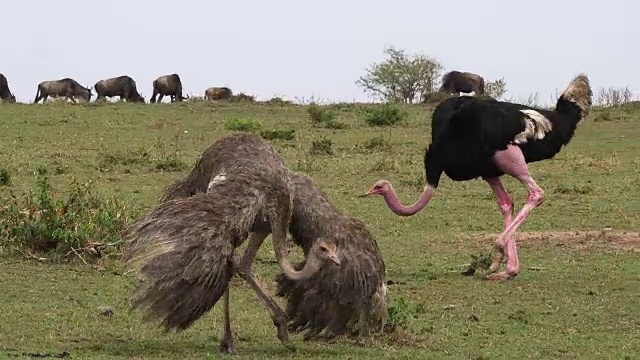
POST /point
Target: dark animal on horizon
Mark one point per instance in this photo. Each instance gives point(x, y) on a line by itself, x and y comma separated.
point(349, 299)
point(168, 85)
point(5, 93)
point(466, 82)
point(218, 93)
point(123, 86)
point(473, 137)
point(185, 248)
point(67, 87)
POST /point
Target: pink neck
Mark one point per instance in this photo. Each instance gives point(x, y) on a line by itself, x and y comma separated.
point(394, 204)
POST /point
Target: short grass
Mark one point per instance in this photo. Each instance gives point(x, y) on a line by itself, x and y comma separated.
point(577, 296)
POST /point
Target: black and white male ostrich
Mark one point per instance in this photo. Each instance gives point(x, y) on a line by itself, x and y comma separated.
point(472, 137)
point(337, 298)
point(184, 249)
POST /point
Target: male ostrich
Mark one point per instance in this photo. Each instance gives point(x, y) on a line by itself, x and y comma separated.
point(355, 288)
point(472, 137)
point(339, 299)
point(184, 249)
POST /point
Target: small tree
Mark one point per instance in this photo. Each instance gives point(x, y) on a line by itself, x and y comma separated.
point(401, 77)
point(496, 89)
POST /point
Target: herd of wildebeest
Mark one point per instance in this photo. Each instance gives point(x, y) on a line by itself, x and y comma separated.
point(171, 85)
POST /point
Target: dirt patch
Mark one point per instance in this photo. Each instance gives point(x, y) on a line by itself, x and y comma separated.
point(616, 239)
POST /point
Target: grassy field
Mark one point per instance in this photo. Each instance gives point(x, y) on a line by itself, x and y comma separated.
point(577, 296)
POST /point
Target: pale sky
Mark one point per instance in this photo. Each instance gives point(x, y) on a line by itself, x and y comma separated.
point(300, 49)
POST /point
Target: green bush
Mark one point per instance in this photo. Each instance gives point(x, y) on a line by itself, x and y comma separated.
point(319, 115)
point(278, 134)
point(242, 124)
point(384, 115)
point(323, 146)
point(81, 225)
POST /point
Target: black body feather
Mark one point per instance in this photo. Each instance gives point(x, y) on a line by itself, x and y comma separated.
point(467, 131)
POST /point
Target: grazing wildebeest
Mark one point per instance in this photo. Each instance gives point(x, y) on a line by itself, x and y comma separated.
point(466, 82)
point(66, 87)
point(123, 86)
point(169, 85)
point(218, 93)
point(5, 93)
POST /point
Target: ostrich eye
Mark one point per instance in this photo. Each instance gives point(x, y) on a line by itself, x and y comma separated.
point(324, 249)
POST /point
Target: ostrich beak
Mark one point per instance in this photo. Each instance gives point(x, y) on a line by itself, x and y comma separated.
point(368, 193)
point(334, 259)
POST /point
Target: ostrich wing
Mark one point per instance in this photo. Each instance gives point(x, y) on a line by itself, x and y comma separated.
point(183, 250)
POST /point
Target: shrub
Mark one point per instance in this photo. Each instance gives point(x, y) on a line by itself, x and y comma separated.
point(321, 147)
point(278, 134)
point(242, 97)
point(81, 224)
point(320, 116)
point(384, 115)
point(276, 100)
point(5, 177)
point(242, 124)
point(377, 142)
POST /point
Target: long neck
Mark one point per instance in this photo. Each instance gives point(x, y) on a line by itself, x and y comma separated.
point(279, 235)
point(394, 204)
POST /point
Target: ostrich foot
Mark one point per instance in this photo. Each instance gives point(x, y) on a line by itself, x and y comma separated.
point(227, 347)
point(511, 272)
point(498, 258)
point(505, 275)
point(283, 332)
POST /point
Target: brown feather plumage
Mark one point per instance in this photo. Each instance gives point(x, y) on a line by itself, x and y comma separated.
point(336, 298)
point(213, 159)
point(184, 248)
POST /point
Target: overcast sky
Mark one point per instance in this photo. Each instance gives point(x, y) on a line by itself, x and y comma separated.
point(299, 49)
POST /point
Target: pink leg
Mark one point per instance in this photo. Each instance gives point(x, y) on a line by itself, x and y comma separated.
point(512, 162)
point(506, 207)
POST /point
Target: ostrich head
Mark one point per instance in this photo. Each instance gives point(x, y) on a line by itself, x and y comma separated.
point(325, 251)
point(381, 187)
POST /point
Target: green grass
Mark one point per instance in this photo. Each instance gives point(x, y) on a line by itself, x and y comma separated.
point(576, 297)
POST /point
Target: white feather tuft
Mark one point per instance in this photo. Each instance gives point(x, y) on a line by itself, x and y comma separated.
point(216, 180)
point(536, 127)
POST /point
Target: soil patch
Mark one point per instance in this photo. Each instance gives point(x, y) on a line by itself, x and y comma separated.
point(584, 238)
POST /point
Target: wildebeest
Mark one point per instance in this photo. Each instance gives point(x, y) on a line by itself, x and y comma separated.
point(66, 87)
point(466, 82)
point(123, 86)
point(5, 93)
point(218, 93)
point(169, 85)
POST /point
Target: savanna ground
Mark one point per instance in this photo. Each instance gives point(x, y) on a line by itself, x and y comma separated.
point(577, 296)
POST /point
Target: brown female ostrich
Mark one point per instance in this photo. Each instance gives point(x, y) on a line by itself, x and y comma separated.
point(472, 137)
point(335, 298)
point(358, 281)
point(184, 249)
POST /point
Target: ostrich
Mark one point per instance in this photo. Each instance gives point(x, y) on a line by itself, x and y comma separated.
point(335, 298)
point(361, 271)
point(184, 248)
point(473, 137)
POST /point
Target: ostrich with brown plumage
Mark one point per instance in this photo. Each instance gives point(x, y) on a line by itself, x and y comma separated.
point(473, 137)
point(351, 294)
point(351, 298)
point(184, 249)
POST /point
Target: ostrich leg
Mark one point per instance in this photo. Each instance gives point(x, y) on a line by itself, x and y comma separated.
point(512, 162)
point(226, 344)
point(506, 207)
point(245, 270)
